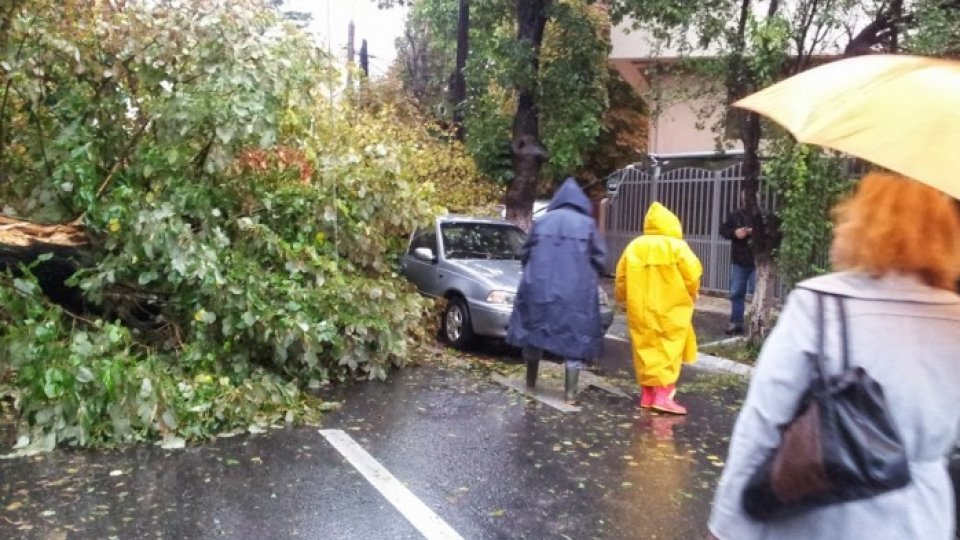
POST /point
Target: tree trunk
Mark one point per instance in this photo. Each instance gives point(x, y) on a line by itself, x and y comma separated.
point(54, 253)
point(528, 156)
point(761, 308)
point(527, 153)
point(765, 235)
point(458, 89)
point(740, 83)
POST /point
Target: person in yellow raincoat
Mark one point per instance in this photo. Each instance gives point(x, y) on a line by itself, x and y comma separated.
point(658, 279)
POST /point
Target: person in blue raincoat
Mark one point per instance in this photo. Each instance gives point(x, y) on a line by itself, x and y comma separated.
point(557, 307)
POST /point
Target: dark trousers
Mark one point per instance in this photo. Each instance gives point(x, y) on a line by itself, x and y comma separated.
point(742, 280)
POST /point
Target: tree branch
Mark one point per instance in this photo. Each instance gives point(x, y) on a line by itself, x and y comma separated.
point(40, 140)
point(121, 158)
point(201, 159)
point(882, 28)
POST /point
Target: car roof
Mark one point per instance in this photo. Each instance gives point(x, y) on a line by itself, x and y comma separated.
point(460, 218)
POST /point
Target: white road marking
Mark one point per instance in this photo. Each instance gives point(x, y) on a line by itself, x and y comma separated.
point(430, 525)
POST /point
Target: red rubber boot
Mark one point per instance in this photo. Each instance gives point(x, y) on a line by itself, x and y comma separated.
point(663, 400)
point(646, 396)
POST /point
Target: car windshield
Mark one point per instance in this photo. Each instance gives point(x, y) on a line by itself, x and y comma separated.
point(481, 241)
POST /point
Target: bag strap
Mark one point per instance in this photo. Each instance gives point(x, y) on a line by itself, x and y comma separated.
point(844, 341)
point(821, 359)
point(821, 331)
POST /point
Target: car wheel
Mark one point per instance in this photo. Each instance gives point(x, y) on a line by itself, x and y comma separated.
point(457, 328)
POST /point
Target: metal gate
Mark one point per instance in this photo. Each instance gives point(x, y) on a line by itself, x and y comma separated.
point(700, 197)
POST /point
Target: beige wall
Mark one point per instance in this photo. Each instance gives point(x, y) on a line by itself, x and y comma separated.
point(675, 128)
point(678, 105)
point(686, 102)
point(677, 100)
point(630, 43)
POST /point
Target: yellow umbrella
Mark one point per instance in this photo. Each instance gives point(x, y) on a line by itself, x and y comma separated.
point(900, 112)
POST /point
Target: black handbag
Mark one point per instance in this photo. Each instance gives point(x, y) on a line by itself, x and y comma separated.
point(841, 446)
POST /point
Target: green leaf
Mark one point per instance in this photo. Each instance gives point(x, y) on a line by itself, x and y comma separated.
point(25, 286)
point(84, 375)
point(169, 419)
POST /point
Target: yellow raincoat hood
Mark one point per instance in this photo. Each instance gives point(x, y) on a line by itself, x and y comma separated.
point(663, 222)
point(658, 279)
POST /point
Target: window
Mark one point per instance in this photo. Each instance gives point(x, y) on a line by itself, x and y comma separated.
point(426, 238)
point(482, 241)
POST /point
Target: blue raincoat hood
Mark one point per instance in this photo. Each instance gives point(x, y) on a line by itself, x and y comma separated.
point(570, 194)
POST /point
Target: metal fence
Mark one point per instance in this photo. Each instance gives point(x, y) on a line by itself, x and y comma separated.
point(700, 197)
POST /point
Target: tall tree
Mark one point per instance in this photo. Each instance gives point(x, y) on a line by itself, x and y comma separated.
point(526, 150)
point(535, 74)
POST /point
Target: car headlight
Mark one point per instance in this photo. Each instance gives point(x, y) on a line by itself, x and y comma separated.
point(604, 300)
point(501, 297)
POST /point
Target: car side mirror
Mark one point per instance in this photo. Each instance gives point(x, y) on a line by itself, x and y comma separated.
point(424, 254)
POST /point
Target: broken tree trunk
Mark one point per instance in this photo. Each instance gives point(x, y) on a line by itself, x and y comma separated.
point(25, 243)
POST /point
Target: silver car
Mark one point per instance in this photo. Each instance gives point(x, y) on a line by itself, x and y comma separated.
point(474, 263)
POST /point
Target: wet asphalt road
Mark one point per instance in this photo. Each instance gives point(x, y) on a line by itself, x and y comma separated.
point(490, 462)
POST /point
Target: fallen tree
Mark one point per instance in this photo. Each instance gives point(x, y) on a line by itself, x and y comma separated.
point(239, 229)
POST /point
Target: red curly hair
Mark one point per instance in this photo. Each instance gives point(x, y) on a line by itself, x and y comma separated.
point(893, 224)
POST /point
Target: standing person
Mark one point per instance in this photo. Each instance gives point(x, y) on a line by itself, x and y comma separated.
point(557, 308)
point(658, 278)
point(738, 228)
point(897, 248)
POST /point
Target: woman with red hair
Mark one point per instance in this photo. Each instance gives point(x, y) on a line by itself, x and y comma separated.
point(897, 251)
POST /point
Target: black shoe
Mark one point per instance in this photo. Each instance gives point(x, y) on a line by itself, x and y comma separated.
point(734, 330)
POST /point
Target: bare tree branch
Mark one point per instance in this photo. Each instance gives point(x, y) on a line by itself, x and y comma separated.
point(122, 158)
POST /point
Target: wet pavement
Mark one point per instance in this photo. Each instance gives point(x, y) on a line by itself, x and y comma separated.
point(487, 460)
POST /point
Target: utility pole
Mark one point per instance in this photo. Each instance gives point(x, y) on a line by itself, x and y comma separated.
point(350, 52)
point(458, 89)
point(364, 59)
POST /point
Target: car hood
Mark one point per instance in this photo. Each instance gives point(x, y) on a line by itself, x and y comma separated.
point(499, 274)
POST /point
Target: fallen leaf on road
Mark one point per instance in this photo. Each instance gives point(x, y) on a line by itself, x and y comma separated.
point(173, 443)
point(116, 472)
point(14, 506)
point(497, 513)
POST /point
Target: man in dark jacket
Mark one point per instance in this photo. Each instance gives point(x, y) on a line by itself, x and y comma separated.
point(557, 307)
point(738, 228)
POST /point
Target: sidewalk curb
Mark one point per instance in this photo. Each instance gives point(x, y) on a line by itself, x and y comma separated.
point(709, 362)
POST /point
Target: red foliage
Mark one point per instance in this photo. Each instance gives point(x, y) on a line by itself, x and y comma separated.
point(278, 158)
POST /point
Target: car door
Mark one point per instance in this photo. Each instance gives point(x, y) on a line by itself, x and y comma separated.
point(421, 272)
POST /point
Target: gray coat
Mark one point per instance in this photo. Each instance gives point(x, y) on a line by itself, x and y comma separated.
point(557, 306)
point(907, 336)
